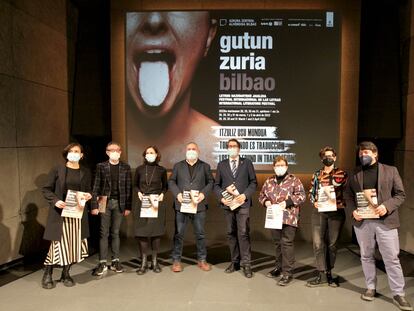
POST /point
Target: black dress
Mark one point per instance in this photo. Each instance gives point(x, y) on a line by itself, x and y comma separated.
point(150, 179)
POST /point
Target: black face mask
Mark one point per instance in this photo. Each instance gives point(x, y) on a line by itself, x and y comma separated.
point(328, 161)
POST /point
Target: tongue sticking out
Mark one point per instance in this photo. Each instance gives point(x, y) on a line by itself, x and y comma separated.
point(154, 82)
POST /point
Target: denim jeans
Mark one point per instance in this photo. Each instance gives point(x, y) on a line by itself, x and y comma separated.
point(181, 221)
point(326, 228)
point(110, 222)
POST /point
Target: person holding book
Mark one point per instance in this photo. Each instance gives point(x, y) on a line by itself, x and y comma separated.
point(234, 186)
point(326, 225)
point(68, 236)
point(380, 227)
point(191, 182)
point(286, 191)
point(150, 182)
point(112, 199)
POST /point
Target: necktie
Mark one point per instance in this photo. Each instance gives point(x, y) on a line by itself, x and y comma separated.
point(233, 167)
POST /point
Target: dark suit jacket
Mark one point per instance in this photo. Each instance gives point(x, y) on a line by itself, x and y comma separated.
point(181, 180)
point(390, 192)
point(245, 180)
point(102, 184)
point(55, 190)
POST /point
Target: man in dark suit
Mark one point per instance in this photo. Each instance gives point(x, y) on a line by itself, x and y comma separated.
point(237, 176)
point(113, 180)
point(382, 230)
point(190, 174)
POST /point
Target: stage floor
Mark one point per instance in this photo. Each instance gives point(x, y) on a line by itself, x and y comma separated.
point(194, 289)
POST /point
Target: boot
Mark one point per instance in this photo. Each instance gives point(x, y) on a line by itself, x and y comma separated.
point(155, 264)
point(66, 278)
point(47, 280)
point(144, 266)
point(331, 280)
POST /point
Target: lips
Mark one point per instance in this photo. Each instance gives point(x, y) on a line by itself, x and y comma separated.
point(153, 68)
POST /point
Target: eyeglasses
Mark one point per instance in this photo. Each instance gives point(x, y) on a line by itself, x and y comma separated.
point(113, 150)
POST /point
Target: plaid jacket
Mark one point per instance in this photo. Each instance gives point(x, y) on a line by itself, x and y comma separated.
point(336, 177)
point(102, 184)
point(290, 188)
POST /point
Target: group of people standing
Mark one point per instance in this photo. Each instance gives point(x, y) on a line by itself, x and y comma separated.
point(234, 185)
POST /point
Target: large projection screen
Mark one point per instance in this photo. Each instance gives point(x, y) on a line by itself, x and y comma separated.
point(269, 78)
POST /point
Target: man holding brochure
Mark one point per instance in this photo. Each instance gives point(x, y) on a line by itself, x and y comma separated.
point(376, 220)
point(328, 215)
point(112, 199)
point(191, 182)
point(234, 186)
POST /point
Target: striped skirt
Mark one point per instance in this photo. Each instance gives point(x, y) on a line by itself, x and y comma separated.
point(71, 248)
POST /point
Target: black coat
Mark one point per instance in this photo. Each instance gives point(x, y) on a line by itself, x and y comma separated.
point(201, 180)
point(245, 180)
point(55, 190)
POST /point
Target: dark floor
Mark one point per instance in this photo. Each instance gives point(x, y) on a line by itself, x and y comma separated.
point(194, 289)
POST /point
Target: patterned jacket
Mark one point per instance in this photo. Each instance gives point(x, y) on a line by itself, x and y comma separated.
point(102, 184)
point(290, 190)
point(336, 177)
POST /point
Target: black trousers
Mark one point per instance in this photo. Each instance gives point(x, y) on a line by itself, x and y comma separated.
point(326, 228)
point(285, 249)
point(238, 235)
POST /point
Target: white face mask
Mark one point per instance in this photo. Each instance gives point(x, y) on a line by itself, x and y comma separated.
point(233, 152)
point(191, 155)
point(73, 156)
point(114, 156)
point(150, 157)
point(280, 170)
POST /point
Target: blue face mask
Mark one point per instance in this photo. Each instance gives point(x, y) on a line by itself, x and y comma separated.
point(365, 160)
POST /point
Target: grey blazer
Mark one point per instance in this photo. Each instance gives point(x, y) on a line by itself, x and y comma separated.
point(390, 192)
point(245, 180)
point(181, 180)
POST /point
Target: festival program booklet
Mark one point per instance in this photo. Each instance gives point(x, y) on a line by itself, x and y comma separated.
point(231, 193)
point(190, 201)
point(75, 204)
point(149, 206)
point(102, 201)
point(326, 199)
point(367, 202)
point(274, 217)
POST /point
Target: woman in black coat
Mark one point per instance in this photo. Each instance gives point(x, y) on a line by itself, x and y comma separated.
point(150, 178)
point(68, 235)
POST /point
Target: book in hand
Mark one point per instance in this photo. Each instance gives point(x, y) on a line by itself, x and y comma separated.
point(367, 202)
point(274, 217)
point(230, 194)
point(190, 201)
point(149, 206)
point(75, 204)
point(326, 199)
point(102, 201)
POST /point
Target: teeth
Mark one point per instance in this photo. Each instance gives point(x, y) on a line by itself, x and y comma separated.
point(154, 51)
point(154, 82)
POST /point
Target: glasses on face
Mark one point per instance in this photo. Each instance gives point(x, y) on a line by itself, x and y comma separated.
point(280, 165)
point(113, 150)
point(232, 146)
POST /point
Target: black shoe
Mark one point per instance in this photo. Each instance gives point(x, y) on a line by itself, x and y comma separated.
point(116, 266)
point(144, 266)
point(100, 269)
point(285, 280)
point(273, 273)
point(232, 267)
point(47, 280)
point(402, 303)
point(369, 295)
point(331, 281)
point(66, 279)
point(247, 270)
point(320, 280)
point(156, 266)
